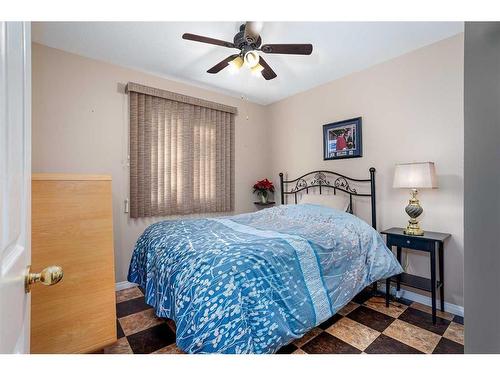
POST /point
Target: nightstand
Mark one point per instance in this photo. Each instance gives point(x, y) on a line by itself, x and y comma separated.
point(430, 242)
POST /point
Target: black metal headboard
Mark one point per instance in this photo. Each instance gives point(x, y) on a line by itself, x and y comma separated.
point(320, 179)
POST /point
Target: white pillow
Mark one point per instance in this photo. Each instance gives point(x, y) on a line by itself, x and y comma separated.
point(339, 201)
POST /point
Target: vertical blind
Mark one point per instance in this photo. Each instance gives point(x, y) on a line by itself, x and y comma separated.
point(181, 154)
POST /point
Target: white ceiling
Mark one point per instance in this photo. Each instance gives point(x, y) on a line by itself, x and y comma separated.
point(340, 48)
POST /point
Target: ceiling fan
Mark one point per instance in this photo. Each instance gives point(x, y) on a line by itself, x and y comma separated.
point(248, 41)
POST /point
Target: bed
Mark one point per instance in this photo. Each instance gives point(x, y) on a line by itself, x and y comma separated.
point(252, 283)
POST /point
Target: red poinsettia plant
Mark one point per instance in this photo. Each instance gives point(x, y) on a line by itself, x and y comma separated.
point(262, 188)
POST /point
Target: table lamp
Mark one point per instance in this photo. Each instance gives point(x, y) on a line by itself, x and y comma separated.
point(415, 176)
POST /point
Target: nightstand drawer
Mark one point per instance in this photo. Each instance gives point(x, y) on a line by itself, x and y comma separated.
point(411, 242)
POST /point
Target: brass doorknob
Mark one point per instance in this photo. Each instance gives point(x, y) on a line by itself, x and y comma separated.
point(49, 276)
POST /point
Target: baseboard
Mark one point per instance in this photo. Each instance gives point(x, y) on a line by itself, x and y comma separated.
point(425, 300)
point(124, 285)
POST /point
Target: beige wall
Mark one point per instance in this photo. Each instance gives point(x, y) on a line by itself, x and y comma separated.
point(80, 125)
point(412, 109)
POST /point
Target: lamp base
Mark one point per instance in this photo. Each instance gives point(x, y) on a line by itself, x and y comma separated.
point(413, 229)
point(413, 210)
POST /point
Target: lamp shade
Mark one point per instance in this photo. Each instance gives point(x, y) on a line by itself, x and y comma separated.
point(415, 175)
point(251, 58)
point(257, 69)
point(236, 63)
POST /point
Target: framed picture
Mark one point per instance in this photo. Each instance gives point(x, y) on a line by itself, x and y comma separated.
point(342, 139)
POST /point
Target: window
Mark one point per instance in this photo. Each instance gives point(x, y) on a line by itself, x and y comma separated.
point(181, 154)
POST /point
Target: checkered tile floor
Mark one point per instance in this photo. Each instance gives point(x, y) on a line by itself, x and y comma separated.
point(365, 325)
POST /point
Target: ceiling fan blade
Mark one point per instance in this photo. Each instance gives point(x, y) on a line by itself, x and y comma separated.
point(267, 73)
point(252, 31)
point(224, 63)
point(205, 39)
point(290, 49)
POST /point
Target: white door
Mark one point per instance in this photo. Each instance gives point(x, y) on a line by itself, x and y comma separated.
point(15, 185)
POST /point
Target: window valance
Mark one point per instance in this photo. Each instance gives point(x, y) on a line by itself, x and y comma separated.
point(141, 89)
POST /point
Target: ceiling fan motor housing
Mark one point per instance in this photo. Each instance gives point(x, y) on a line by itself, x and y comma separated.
point(247, 43)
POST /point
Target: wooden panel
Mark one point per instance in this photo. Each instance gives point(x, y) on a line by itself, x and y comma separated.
point(69, 177)
point(72, 227)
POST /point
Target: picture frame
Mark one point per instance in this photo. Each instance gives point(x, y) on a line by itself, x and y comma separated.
point(343, 139)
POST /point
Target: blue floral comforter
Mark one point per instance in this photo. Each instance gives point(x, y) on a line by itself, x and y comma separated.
point(252, 283)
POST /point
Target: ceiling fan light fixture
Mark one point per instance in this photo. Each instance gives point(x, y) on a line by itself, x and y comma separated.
point(236, 63)
point(249, 43)
point(251, 59)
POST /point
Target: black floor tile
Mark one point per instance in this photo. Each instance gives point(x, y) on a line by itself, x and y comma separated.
point(119, 330)
point(371, 318)
point(327, 323)
point(131, 306)
point(446, 346)
point(364, 296)
point(458, 319)
point(424, 320)
point(386, 345)
point(325, 343)
point(287, 349)
point(151, 339)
